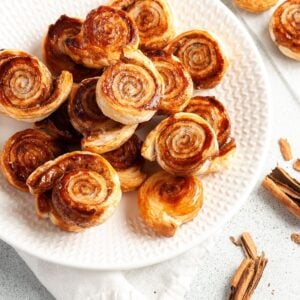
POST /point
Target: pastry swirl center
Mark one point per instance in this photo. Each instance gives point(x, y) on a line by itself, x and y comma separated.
point(86, 187)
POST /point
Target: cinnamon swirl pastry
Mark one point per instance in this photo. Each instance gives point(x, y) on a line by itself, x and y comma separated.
point(24, 152)
point(177, 80)
point(255, 6)
point(181, 144)
point(27, 91)
point(222, 161)
point(129, 91)
point(78, 190)
point(59, 126)
point(101, 134)
point(284, 28)
point(43, 204)
point(214, 112)
point(128, 163)
point(153, 18)
point(54, 49)
point(201, 55)
point(166, 201)
point(104, 35)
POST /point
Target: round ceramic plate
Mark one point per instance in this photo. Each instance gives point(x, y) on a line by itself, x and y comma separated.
point(124, 242)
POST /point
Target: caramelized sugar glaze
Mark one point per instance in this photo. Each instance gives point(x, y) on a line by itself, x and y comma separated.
point(101, 134)
point(54, 51)
point(81, 189)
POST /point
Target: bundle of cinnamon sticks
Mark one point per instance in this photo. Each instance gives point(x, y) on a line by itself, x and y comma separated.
point(248, 274)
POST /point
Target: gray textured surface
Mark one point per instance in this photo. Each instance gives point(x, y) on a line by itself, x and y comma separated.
point(16, 279)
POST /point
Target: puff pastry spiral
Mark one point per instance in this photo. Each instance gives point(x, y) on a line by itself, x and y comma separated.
point(27, 91)
point(54, 49)
point(153, 18)
point(255, 6)
point(129, 91)
point(80, 189)
point(128, 163)
point(166, 202)
point(201, 55)
point(284, 28)
point(58, 125)
point(221, 161)
point(101, 134)
point(105, 33)
point(181, 144)
point(214, 112)
point(178, 82)
point(24, 152)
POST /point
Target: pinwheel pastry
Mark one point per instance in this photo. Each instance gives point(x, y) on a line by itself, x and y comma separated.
point(101, 134)
point(222, 160)
point(166, 202)
point(214, 112)
point(181, 144)
point(255, 6)
point(153, 18)
point(54, 49)
point(284, 28)
point(59, 126)
point(27, 91)
point(77, 190)
point(129, 91)
point(178, 82)
point(201, 55)
point(104, 35)
point(128, 163)
point(24, 152)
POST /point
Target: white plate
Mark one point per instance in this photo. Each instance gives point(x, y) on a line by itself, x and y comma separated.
point(124, 242)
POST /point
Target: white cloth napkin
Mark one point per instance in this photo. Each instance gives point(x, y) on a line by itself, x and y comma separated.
point(165, 281)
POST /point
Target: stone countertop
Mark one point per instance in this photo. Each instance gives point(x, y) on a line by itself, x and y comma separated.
point(269, 223)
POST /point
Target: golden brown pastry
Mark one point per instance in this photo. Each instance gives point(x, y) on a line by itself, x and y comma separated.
point(59, 126)
point(101, 134)
point(222, 160)
point(28, 92)
point(129, 91)
point(54, 49)
point(284, 28)
point(178, 82)
point(166, 201)
point(255, 6)
point(181, 144)
point(105, 33)
point(128, 163)
point(201, 55)
point(153, 18)
point(24, 152)
point(214, 112)
point(77, 190)
point(43, 204)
